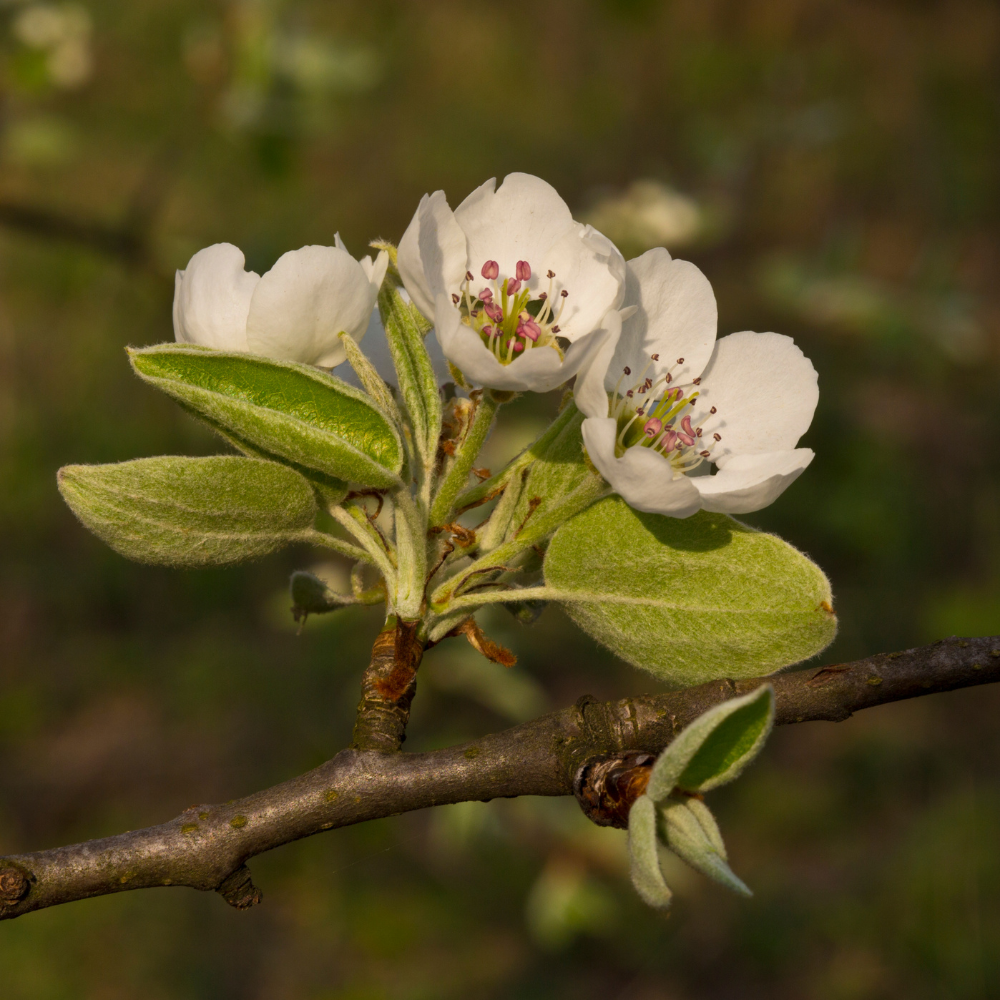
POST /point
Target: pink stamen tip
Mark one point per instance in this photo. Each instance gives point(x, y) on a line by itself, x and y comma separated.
point(550, 275)
point(513, 286)
point(528, 327)
point(680, 361)
point(488, 330)
point(629, 394)
point(678, 394)
point(652, 428)
point(669, 441)
point(718, 437)
point(518, 346)
point(697, 381)
point(564, 293)
point(555, 329)
point(523, 270)
point(686, 438)
point(628, 371)
point(655, 357)
point(486, 295)
point(492, 310)
point(468, 276)
point(454, 298)
point(491, 269)
point(543, 296)
point(686, 424)
point(713, 410)
point(704, 454)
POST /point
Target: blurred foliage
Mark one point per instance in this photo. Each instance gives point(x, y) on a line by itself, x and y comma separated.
point(837, 164)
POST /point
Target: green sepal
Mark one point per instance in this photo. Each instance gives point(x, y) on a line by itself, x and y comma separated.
point(178, 511)
point(404, 331)
point(716, 747)
point(295, 413)
point(689, 600)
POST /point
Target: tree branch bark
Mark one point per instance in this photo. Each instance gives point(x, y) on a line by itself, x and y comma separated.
point(206, 847)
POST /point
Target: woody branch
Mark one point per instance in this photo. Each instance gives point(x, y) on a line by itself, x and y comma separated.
point(207, 847)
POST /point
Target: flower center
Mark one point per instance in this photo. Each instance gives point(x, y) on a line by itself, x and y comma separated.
point(508, 319)
point(651, 414)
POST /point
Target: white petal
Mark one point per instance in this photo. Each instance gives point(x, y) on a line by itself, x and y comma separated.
point(676, 318)
point(304, 301)
point(589, 393)
point(536, 370)
point(433, 253)
point(339, 243)
point(590, 269)
point(212, 298)
point(521, 220)
point(765, 390)
point(375, 271)
point(746, 483)
point(376, 348)
point(641, 477)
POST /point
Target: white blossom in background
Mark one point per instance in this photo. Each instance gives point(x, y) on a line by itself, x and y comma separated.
point(62, 32)
point(518, 291)
point(648, 214)
point(294, 312)
point(667, 402)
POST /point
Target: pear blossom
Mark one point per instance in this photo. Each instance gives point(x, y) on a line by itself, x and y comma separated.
point(294, 312)
point(665, 401)
point(518, 291)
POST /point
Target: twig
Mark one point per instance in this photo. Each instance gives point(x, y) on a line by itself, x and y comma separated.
point(207, 847)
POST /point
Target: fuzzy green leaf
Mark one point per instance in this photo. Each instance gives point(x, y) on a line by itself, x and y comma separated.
point(644, 862)
point(716, 747)
point(294, 412)
point(558, 469)
point(689, 600)
point(690, 831)
point(191, 511)
point(404, 330)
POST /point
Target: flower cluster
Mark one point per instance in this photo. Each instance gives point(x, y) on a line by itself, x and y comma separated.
point(523, 298)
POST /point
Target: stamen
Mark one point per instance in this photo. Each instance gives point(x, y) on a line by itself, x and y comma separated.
point(513, 286)
point(491, 269)
point(523, 270)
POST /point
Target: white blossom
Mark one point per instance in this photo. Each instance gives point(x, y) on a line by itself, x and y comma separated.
point(518, 291)
point(294, 312)
point(666, 401)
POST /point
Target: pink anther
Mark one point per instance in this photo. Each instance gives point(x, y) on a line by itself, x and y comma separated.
point(527, 327)
point(513, 286)
point(486, 295)
point(523, 270)
point(491, 269)
point(686, 424)
point(652, 428)
point(492, 310)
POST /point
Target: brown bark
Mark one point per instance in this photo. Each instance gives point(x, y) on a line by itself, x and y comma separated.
point(387, 687)
point(207, 847)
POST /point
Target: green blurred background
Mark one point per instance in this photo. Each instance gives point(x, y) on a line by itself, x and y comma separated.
point(832, 166)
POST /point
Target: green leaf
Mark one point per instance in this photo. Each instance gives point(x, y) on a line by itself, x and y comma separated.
point(690, 831)
point(293, 412)
point(417, 382)
point(644, 862)
point(191, 511)
point(689, 600)
point(558, 469)
point(716, 747)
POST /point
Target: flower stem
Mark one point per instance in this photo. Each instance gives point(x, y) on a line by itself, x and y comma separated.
point(458, 474)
